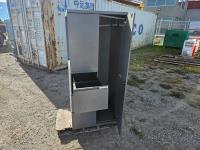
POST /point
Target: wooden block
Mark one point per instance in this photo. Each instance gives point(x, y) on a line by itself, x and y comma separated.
point(63, 120)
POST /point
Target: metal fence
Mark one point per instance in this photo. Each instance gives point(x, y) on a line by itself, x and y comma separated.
point(192, 26)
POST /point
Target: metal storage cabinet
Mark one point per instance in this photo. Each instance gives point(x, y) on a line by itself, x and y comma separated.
point(175, 38)
point(98, 56)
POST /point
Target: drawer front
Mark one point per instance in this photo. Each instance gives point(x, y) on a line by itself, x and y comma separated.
point(90, 100)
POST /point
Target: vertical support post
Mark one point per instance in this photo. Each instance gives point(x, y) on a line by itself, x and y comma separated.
point(12, 27)
point(185, 26)
point(188, 25)
point(157, 26)
point(36, 43)
point(160, 26)
point(171, 24)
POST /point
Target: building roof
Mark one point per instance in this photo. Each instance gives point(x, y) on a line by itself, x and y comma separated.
point(135, 3)
point(193, 4)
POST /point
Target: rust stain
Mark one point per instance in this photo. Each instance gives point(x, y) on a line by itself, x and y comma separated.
point(20, 42)
point(34, 56)
point(49, 34)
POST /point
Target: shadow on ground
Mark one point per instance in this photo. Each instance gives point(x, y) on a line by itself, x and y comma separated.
point(54, 85)
point(103, 139)
point(4, 49)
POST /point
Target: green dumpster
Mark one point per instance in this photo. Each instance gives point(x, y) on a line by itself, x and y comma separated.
point(175, 38)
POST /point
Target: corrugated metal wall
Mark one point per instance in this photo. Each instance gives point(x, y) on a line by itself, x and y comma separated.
point(28, 31)
point(9, 30)
point(38, 25)
point(40, 30)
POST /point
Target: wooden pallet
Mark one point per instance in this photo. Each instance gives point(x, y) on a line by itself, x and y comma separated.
point(64, 124)
point(178, 60)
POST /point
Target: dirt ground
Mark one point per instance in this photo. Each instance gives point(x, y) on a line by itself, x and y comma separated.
point(161, 111)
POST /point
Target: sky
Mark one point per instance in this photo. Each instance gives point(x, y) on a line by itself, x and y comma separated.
point(3, 10)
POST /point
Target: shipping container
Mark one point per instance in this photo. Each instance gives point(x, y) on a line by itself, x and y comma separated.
point(10, 33)
point(40, 30)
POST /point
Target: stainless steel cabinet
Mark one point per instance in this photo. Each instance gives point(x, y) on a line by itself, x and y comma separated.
point(98, 50)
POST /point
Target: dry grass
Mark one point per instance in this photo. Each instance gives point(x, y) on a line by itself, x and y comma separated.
point(142, 57)
point(146, 55)
point(194, 102)
point(192, 69)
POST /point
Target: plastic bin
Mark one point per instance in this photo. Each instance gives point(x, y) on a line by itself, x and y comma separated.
point(175, 38)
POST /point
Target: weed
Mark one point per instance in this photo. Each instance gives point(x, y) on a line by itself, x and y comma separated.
point(176, 94)
point(181, 71)
point(135, 81)
point(137, 132)
point(176, 80)
point(165, 86)
point(186, 77)
point(154, 91)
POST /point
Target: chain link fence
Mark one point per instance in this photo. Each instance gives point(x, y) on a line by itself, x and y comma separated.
point(163, 25)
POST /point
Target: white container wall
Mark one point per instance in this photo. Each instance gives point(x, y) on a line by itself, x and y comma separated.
point(40, 31)
point(145, 22)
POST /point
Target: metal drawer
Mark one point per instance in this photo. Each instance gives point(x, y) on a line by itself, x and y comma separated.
point(90, 99)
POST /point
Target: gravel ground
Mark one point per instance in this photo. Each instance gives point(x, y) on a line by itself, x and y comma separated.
point(161, 112)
